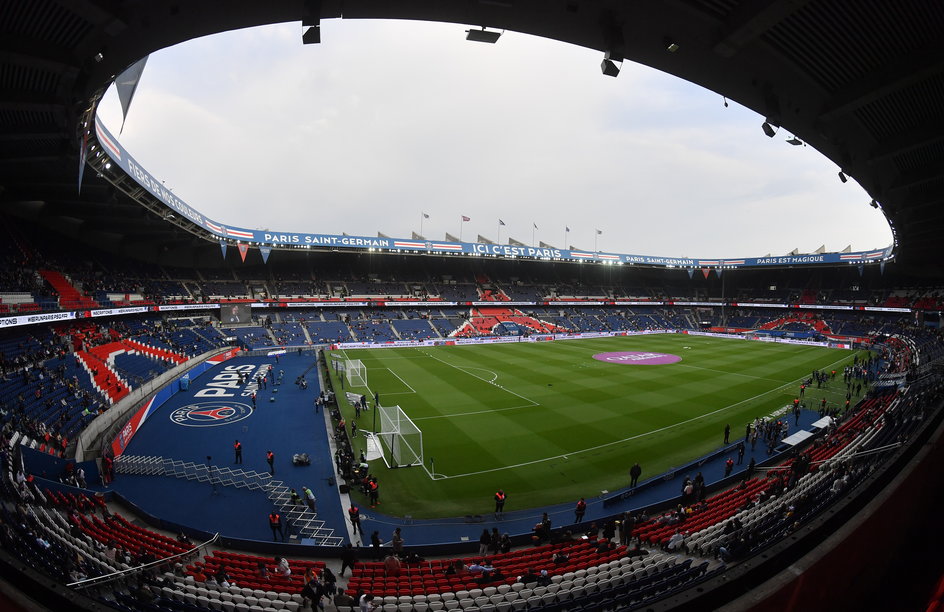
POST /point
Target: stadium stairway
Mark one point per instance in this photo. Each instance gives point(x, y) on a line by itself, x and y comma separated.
point(106, 379)
point(69, 296)
point(484, 320)
point(493, 295)
point(159, 353)
point(817, 324)
point(106, 353)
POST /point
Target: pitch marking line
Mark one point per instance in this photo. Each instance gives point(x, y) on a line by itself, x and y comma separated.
point(460, 414)
point(491, 382)
point(411, 389)
point(695, 367)
point(636, 437)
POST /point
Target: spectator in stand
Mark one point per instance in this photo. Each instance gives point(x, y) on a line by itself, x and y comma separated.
point(397, 542)
point(348, 558)
point(366, 603)
point(392, 566)
point(676, 542)
point(528, 577)
point(282, 568)
point(343, 600)
point(484, 540)
point(504, 545)
point(262, 572)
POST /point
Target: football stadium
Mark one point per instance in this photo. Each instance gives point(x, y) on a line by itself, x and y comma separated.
point(201, 415)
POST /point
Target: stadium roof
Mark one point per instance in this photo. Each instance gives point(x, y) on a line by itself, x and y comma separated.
point(861, 82)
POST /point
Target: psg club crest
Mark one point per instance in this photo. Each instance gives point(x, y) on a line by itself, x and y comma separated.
point(210, 414)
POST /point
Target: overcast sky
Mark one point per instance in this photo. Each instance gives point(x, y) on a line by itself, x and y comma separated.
point(386, 120)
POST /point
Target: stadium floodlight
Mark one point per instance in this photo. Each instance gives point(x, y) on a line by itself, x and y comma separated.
point(768, 129)
point(483, 35)
point(312, 35)
point(794, 141)
point(842, 176)
point(608, 66)
point(873, 204)
point(400, 437)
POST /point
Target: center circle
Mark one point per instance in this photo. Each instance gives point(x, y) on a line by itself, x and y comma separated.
point(637, 358)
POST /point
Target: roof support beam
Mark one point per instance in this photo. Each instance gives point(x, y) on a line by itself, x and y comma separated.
point(927, 174)
point(31, 132)
point(750, 20)
point(906, 142)
point(877, 85)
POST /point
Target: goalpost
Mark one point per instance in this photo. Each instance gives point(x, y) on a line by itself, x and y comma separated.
point(399, 437)
point(356, 373)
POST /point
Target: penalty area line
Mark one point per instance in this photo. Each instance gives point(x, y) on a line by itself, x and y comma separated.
point(401, 380)
point(491, 382)
point(474, 412)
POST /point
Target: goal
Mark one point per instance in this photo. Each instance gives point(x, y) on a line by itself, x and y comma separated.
point(399, 437)
point(356, 373)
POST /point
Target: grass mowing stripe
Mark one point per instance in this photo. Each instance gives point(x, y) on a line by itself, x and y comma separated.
point(491, 381)
point(648, 433)
point(594, 418)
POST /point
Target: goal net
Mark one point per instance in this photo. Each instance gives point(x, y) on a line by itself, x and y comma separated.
point(356, 373)
point(399, 437)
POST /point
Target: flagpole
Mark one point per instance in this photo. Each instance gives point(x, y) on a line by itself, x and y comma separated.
point(499, 232)
point(596, 235)
point(422, 216)
point(460, 228)
point(532, 235)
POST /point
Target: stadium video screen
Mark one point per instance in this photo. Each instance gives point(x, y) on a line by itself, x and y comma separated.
point(234, 314)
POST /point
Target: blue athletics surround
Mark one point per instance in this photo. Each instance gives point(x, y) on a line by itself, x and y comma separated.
point(191, 425)
point(289, 425)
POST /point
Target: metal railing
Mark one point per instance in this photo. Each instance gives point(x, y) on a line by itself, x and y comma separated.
point(107, 578)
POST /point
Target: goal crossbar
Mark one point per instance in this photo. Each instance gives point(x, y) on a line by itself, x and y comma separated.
point(355, 372)
point(400, 438)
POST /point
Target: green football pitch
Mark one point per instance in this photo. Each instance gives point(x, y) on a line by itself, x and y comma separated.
point(548, 423)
